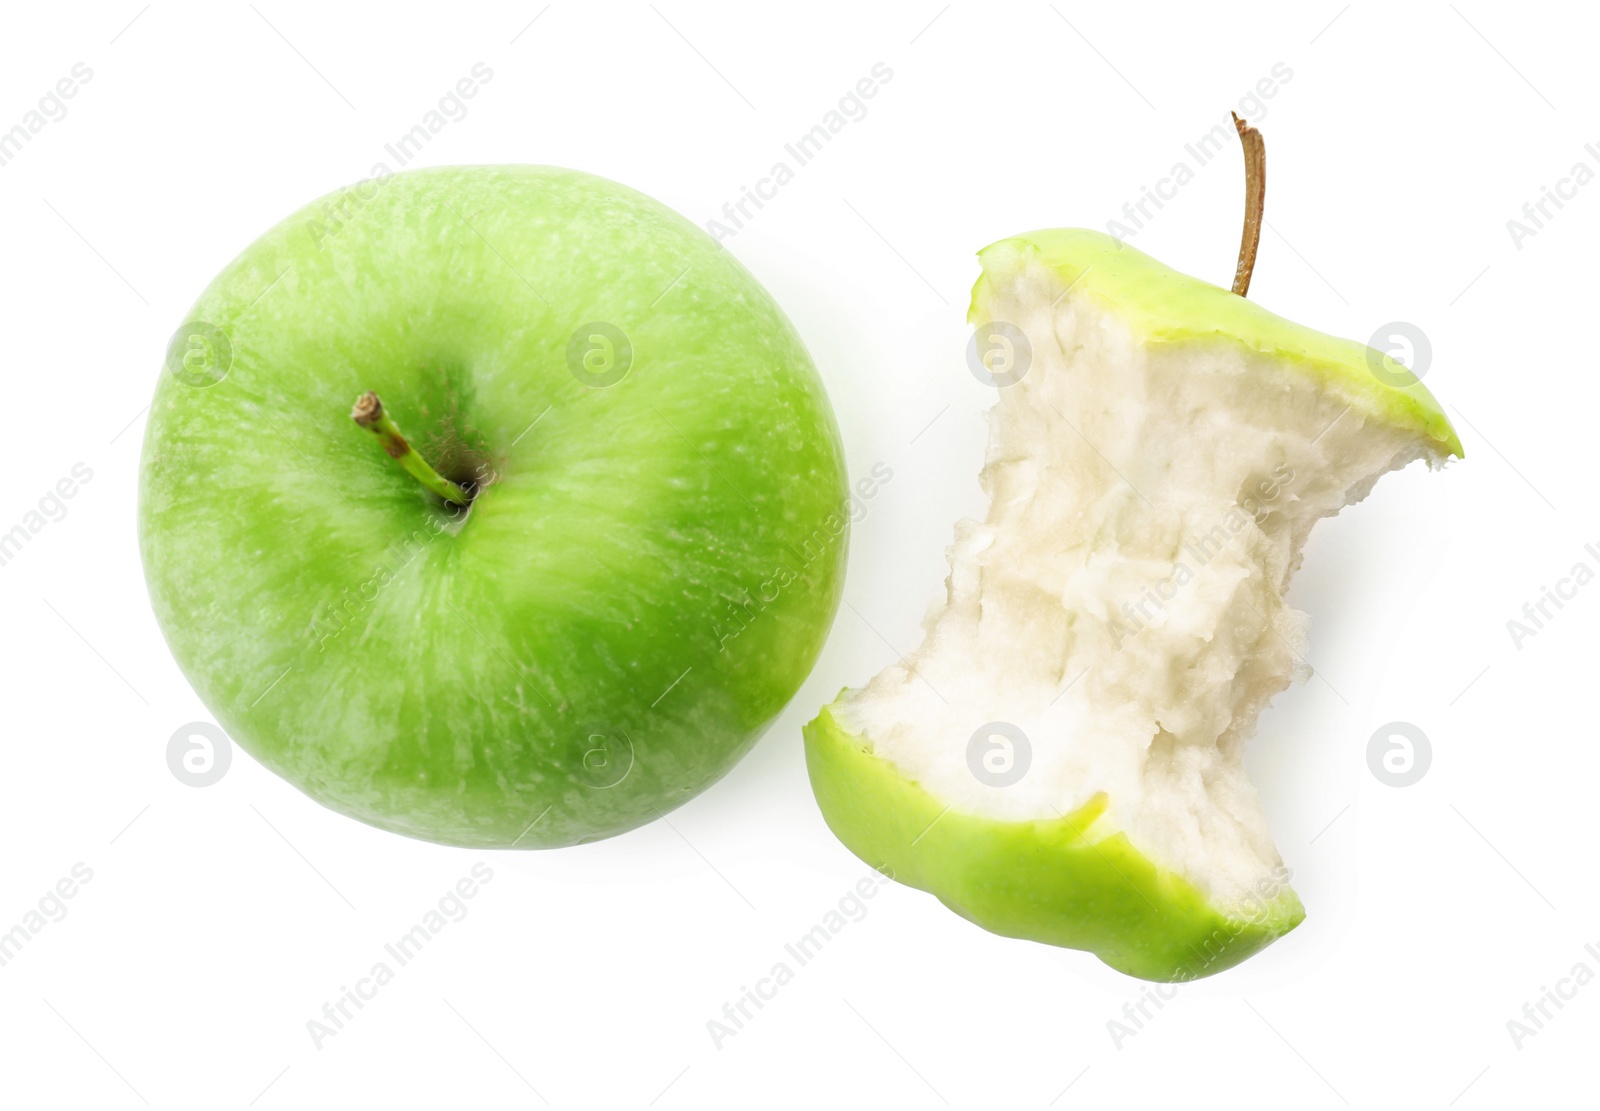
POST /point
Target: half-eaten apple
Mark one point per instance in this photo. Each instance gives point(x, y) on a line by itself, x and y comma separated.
point(1062, 758)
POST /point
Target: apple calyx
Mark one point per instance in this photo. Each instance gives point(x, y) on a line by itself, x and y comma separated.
point(1255, 199)
point(370, 414)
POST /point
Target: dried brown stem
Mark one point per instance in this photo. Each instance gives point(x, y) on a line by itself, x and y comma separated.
point(1255, 199)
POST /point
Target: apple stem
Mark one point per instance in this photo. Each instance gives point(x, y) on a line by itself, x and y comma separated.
point(1255, 199)
point(370, 414)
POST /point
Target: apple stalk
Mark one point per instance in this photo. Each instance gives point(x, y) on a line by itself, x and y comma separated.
point(370, 414)
point(1255, 199)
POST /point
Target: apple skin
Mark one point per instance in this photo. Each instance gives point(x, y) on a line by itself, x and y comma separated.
point(1162, 306)
point(1060, 881)
point(1070, 882)
point(623, 610)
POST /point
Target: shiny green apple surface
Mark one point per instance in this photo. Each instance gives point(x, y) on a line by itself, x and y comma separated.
point(654, 545)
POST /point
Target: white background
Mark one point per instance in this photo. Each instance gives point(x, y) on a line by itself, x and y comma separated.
point(220, 920)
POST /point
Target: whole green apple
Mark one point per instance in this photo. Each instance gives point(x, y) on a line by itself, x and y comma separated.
point(623, 565)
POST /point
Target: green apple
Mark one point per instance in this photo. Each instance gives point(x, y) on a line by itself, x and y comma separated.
point(605, 559)
point(1062, 758)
